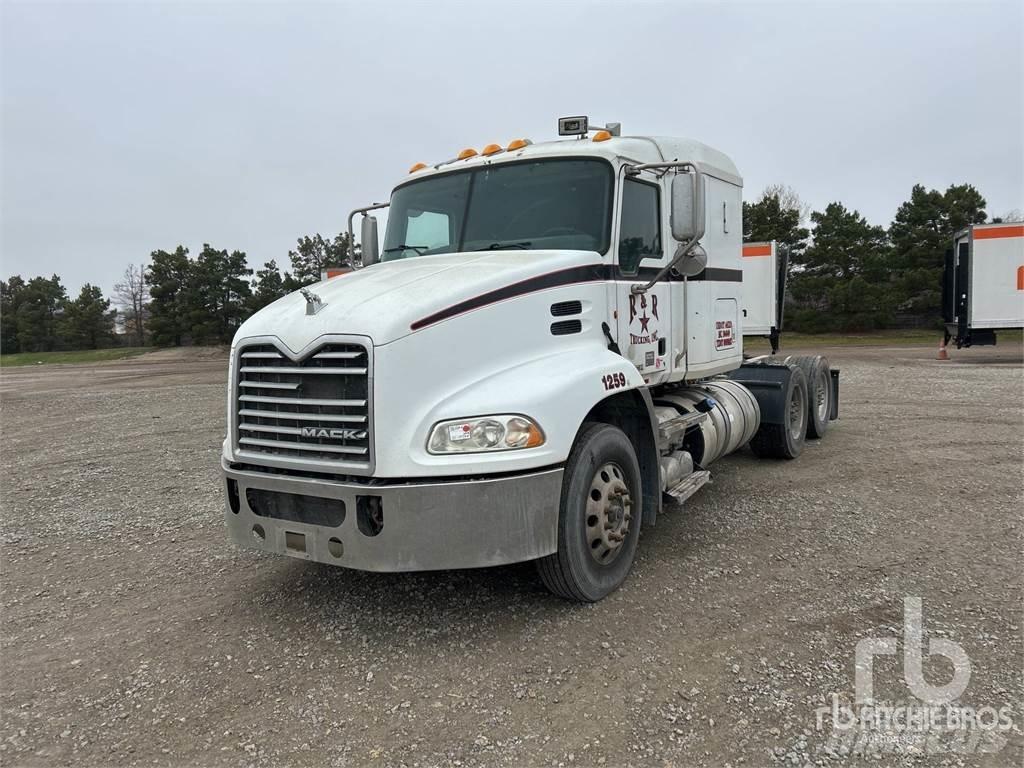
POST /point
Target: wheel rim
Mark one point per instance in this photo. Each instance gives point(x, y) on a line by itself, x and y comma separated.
point(822, 395)
point(797, 413)
point(609, 513)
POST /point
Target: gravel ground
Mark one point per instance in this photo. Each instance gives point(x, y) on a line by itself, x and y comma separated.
point(134, 633)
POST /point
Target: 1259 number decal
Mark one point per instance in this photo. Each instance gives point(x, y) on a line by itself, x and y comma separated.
point(613, 380)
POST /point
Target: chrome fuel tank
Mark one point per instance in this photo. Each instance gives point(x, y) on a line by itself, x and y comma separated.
point(733, 417)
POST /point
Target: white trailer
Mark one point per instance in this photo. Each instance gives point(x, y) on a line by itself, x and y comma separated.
point(549, 342)
point(983, 284)
point(764, 287)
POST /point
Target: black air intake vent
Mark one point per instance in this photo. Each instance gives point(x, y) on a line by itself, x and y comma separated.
point(566, 327)
point(563, 308)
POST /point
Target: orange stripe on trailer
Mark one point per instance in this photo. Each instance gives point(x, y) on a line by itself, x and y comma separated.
point(1017, 230)
point(1020, 278)
point(757, 250)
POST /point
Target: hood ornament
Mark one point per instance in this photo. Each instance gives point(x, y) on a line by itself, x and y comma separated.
point(313, 302)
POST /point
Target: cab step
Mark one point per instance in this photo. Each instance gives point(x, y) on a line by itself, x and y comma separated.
point(689, 485)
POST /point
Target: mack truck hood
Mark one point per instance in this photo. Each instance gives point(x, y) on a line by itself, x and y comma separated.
point(389, 300)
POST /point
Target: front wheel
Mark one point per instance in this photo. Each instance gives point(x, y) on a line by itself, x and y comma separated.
point(598, 519)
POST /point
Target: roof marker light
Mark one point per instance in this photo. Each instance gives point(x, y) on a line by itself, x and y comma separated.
point(518, 144)
point(467, 153)
point(417, 167)
point(491, 149)
point(602, 136)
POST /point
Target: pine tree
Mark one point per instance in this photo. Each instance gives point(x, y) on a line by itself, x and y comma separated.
point(769, 219)
point(10, 297)
point(87, 321)
point(268, 286)
point(218, 295)
point(921, 232)
point(846, 246)
point(169, 276)
point(39, 306)
point(843, 285)
point(315, 254)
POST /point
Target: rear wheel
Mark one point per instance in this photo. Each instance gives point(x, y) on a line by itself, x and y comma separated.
point(786, 440)
point(819, 392)
point(599, 517)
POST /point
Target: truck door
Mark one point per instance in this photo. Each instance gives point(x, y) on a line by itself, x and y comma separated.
point(948, 287)
point(644, 320)
point(962, 281)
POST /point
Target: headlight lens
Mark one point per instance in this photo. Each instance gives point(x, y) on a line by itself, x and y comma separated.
point(485, 433)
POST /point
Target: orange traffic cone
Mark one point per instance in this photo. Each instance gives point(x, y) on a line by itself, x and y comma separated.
point(943, 354)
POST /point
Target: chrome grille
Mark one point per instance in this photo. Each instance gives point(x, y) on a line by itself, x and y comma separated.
point(316, 409)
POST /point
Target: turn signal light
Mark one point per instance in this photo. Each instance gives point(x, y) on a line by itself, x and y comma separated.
point(518, 144)
point(417, 167)
point(523, 433)
point(601, 136)
point(491, 149)
point(467, 153)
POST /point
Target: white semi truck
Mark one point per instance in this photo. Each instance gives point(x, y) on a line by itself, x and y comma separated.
point(549, 342)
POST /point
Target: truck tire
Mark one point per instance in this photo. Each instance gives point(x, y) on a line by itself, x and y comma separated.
point(786, 441)
point(599, 517)
point(819, 392)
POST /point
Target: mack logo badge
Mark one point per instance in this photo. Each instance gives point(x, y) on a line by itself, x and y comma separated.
point(334, 434)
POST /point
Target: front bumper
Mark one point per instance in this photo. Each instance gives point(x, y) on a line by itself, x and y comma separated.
point(426, 526)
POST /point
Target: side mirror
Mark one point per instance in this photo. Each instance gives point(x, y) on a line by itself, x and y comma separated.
point(368, 238)
point(692, 263)
point(687, 206)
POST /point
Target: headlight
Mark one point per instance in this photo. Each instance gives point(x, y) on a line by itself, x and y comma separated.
point(485, 433)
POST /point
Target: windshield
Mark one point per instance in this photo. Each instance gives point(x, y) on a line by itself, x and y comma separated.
point(539, 204)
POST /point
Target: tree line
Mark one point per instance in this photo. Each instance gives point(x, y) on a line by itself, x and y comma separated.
point(173, 300)
point(845, 275)
point(848, 275)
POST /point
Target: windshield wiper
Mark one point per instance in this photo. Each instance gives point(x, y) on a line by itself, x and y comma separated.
point(523, 244)
point(418, 248)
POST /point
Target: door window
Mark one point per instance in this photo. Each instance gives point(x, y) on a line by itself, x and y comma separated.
point(640, 228)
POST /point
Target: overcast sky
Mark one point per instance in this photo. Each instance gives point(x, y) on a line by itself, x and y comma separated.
point(128, 128)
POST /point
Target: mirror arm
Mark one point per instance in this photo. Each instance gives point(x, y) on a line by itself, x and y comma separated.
point(351, 234)
point(680, 254)
point(633, 170)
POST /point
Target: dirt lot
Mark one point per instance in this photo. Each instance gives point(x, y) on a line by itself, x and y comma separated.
point(134, 634)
